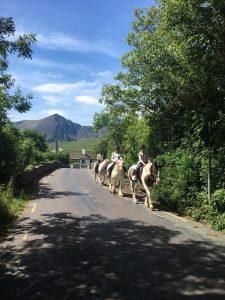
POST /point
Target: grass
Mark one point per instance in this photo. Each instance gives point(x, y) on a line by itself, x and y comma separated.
point(10, 208)
point(87, 144)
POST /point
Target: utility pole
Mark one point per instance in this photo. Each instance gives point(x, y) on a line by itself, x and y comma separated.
point(56, 146)
point(209, 162)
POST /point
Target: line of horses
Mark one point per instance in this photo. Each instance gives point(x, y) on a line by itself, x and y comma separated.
point(149, 176)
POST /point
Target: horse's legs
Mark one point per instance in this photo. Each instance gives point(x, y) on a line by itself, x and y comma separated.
point(112, 188)
point(133, 190)
point(120, 188)
point(103, 180)
point(110, 185)
point(148, 201)
point(100, 178)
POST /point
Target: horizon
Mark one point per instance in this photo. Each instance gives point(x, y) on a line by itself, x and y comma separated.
point(24, 120)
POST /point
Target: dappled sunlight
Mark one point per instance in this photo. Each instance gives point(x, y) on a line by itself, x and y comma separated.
point(94, 257)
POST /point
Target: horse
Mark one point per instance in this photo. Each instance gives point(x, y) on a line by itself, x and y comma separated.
point(102, 166)
point(149, 176)
point(102, 169)
point(117, 177)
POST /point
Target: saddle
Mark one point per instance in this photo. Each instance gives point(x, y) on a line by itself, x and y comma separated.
point(139, 173)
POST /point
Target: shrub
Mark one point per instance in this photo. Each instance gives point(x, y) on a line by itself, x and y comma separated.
point(9, 206)
point(218, 200)
point(60, 156)
point(179, 176)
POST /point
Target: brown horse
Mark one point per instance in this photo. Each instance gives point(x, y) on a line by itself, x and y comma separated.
point(149, 176)
point(117, 177)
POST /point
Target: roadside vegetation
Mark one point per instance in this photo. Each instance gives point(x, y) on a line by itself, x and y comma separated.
point(19, 150)
point(172, 99)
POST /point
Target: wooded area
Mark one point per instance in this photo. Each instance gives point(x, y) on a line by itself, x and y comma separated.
point(171, 97)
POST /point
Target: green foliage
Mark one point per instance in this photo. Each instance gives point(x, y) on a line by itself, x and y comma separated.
point(205, 213)
point(15, 149)
point(21, 46)
point(59, 156)
point(218, 200)
point(39, 142)
point(180, 180)
point(137, 133)
point(102, 147)
point(10, 207)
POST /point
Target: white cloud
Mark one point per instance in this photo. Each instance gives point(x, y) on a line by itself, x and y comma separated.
point(86, 99)
point(51, 99)
point(58, 88)
point(52, 112)
point(60, 41)
point(104, 74)
point(48, 75)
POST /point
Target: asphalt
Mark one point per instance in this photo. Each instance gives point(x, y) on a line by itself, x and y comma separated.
point(75, 240)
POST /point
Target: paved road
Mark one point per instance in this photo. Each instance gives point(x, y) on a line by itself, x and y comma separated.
point(77, 241)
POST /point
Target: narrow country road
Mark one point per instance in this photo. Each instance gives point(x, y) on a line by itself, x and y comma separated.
point(78, 241)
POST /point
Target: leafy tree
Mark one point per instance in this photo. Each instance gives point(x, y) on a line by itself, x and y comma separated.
point(21, 46)
point(13, 148)
point(38, 140)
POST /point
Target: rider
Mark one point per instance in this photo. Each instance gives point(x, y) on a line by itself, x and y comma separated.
point(99, 159)
point(142, 161)
point(114, 158)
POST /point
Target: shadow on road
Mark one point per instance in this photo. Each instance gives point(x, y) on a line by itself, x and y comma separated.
point(44, 190)
point(97, 258)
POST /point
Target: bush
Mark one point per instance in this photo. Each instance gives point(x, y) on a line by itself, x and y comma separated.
point(179, 176)
point(9, 206)
point(59, 156)
point(218, 200)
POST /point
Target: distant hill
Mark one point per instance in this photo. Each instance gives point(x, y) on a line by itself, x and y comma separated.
point(57, 127)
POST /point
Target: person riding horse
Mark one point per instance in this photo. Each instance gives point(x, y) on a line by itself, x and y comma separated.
point(100, 158)
point(114, 158)
point(142, 161)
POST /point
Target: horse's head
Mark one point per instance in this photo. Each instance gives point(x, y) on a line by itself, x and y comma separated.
point(154, 171)
point(119, 164)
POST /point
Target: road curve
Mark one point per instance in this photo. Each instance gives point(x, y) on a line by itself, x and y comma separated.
point(75, 240)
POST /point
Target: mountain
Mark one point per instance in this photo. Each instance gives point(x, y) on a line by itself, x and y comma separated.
point(57, 127)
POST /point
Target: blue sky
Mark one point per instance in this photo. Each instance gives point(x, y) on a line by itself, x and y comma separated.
point(80, 43)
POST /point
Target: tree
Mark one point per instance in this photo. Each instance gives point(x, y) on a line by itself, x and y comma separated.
point(38, 140)
point(14, 149)
point(11, 97)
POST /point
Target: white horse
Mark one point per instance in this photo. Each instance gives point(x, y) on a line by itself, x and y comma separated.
point(102, 169)
point(149, 176)
point(117, 177)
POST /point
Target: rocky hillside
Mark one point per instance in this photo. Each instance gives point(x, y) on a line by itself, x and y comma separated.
point(57, 127)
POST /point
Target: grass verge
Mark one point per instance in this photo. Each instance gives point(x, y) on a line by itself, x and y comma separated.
point(10, 208)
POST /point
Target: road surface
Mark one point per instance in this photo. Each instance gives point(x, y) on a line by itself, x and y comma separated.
point(75, 240)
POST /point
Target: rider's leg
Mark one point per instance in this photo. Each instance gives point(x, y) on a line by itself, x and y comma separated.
point(136, 173)
point(109, 169)
point(96, 167)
